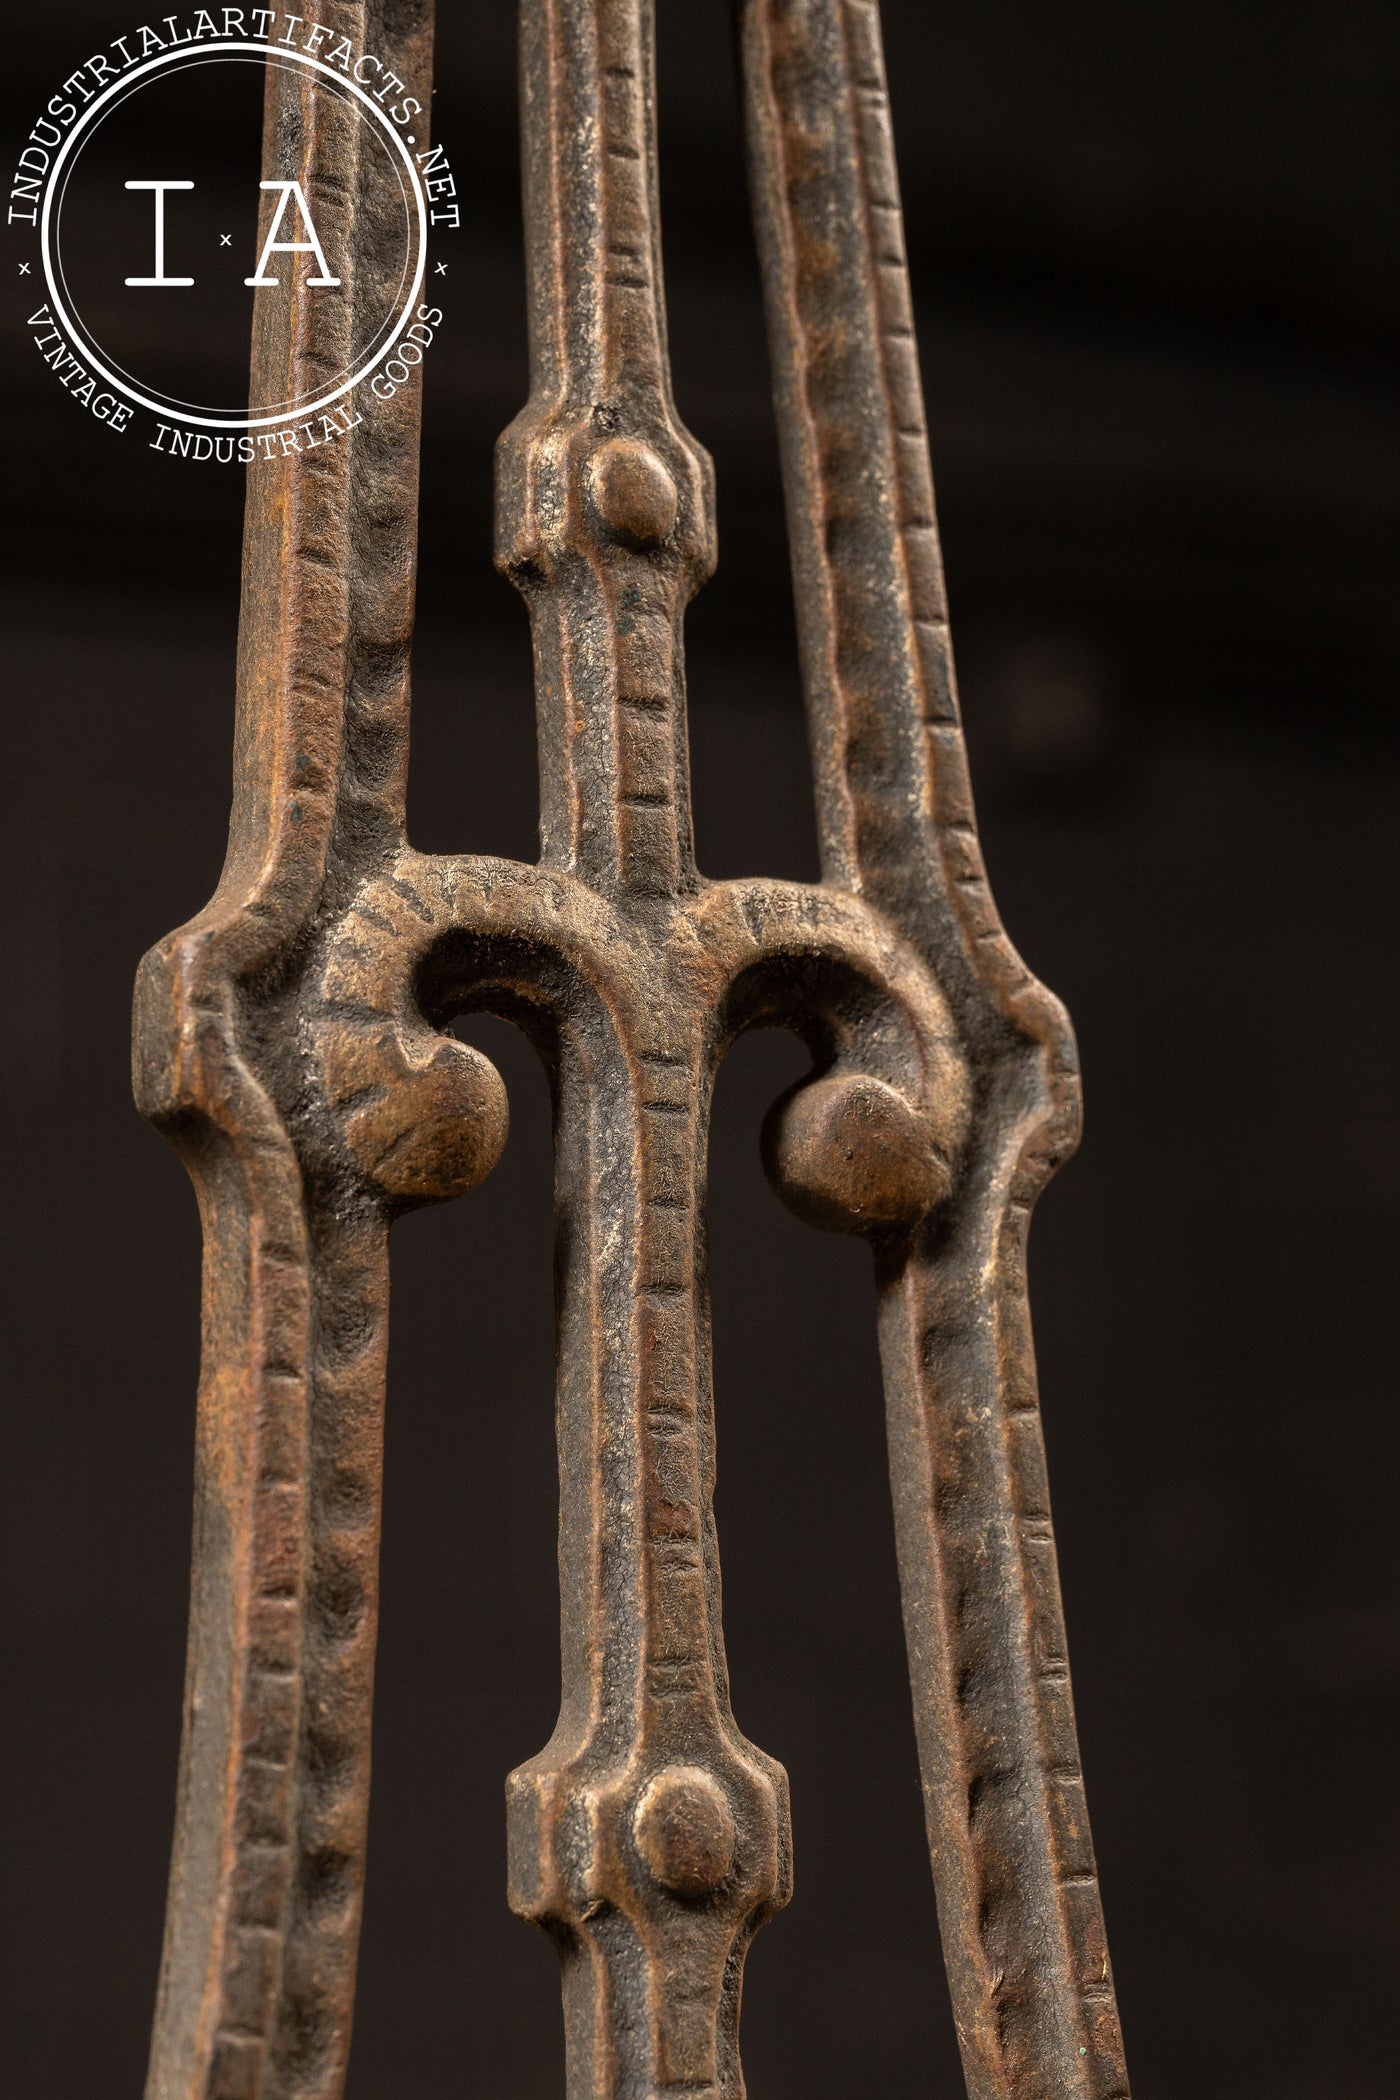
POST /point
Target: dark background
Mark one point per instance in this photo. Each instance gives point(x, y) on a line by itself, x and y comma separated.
point(1154, 249)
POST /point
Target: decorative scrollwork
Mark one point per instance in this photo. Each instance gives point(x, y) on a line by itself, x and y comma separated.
point(293, 1041)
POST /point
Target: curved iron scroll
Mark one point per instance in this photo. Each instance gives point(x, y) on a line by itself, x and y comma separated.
point(292, 1042)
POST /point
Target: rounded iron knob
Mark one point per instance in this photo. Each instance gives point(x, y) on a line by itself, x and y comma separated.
point(850, 1153)
point(634, 491)
point(436, 1129)
point(685, 1831)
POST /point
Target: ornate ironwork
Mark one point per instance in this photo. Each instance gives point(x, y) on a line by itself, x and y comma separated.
point(292, 1041)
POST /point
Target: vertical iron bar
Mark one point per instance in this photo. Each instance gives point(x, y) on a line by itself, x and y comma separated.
point(1008, 1831)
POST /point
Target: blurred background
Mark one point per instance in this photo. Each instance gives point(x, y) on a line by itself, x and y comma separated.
point(1154, 252)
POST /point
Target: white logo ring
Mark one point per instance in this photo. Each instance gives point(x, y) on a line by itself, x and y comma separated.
point(163, 409)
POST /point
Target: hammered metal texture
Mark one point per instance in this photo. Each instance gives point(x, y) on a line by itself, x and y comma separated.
point(294, 1042)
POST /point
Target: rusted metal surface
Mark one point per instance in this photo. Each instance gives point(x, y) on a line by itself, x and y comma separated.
point(293, 1042)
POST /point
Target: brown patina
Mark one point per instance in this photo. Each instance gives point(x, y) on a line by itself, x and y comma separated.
point(294, 1042)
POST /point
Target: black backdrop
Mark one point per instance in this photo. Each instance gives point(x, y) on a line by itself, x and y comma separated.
point(1154, 255)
